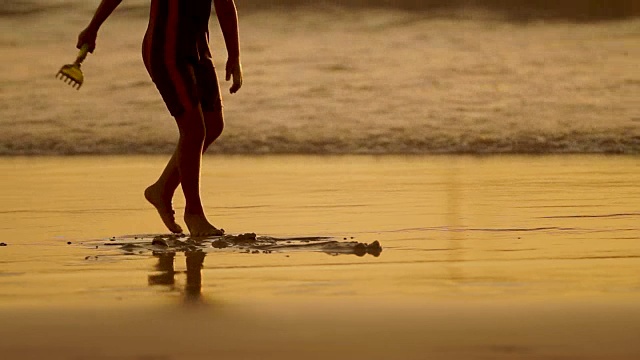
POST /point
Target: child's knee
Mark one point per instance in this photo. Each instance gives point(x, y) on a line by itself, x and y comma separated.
point(192, 127)
point(214, 124)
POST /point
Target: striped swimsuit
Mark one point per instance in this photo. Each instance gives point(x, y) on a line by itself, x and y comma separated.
point(176, 54)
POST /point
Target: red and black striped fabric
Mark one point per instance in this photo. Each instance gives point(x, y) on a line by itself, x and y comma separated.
point(183, 75)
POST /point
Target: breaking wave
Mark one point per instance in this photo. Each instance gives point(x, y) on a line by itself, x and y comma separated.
point(577, 10)
point(341, 81)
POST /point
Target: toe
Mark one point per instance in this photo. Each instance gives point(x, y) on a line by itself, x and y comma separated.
point(216, 232)
point(208, 232)
point(176, 229)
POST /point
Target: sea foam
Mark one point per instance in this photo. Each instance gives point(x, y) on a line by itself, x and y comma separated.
point(338, 81)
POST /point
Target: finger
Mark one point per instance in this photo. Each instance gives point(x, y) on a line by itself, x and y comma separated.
point(228, 76)
point(238, 80)
point(235, 87)
point(92, 45)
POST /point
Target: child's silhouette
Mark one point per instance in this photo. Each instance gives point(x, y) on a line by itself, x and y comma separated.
point(177, 56)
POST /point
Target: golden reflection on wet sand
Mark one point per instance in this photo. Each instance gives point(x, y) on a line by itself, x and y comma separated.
point(497, 257)
point(166, 275)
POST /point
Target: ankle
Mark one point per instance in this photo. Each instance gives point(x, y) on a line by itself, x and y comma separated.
point(161, 189)
point(194, 212)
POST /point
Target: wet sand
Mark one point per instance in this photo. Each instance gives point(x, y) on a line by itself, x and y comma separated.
point(483, 258)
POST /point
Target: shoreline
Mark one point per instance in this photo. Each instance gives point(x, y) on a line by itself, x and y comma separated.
point(439, 155)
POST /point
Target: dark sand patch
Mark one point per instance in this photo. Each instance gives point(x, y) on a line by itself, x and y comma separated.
point(246, 243)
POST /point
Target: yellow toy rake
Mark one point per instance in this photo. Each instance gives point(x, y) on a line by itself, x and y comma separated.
point(71, 73)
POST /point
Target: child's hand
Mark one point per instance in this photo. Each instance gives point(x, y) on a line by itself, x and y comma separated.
point(234, 69)
point(87, 36)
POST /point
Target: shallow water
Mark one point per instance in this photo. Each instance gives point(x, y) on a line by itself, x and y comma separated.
point(450, 227)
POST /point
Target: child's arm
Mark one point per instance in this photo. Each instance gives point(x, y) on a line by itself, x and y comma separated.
point(228, 19)
point(88, 35)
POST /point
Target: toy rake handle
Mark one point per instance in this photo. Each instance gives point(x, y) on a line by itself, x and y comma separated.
point(84, 50)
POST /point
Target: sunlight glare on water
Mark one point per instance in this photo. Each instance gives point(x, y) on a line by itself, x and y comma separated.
point(449, 226)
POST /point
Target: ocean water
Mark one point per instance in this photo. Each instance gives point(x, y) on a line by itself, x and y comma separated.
point(343, 77)
point(523, 9)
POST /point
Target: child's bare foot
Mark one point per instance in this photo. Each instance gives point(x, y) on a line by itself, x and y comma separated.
point(198, 225)
point(153, 194)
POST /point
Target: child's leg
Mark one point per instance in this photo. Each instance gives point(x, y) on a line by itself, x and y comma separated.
point(197, 108)
point(214, 123)
point(162, 191)
point(160, 194)
point(189, 159)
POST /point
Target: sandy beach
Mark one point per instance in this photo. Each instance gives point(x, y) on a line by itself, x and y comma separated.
point(513, 257)
point(377, 179)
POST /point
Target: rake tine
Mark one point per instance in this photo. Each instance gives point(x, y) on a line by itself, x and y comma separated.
point(71, 74)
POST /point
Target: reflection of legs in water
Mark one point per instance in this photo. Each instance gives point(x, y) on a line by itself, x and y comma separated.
point(165, 266)
point(166, 277)
point(193, 288)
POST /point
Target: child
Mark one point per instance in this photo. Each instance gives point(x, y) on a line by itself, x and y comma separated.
point(176, 54)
